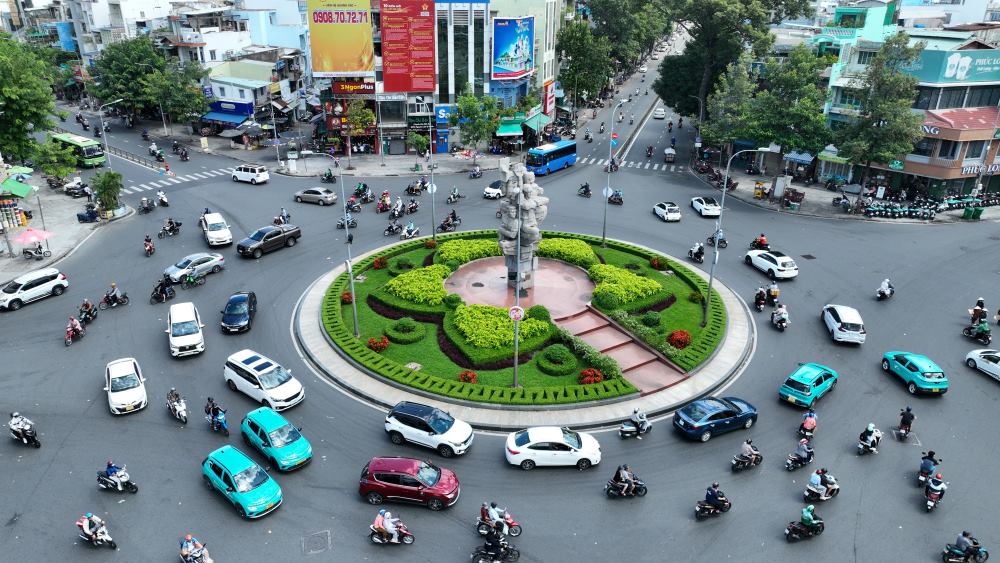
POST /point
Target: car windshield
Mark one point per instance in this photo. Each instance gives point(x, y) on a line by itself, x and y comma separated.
point(257, 235)
point(797, 385)
point(853, 327)
point(237, 308)
point(428, 474)
point(274, 378)
point(11, 287)
point(124, 383)
point(572, 438)
point(217, 227)
point(92, 151)
point(440, 421)
point(184, 328)
point(536, 160)
point(521, 438)
point(183, 263)
point(250, 478)
point(709, 201)
point(284, 436)
point(695, 412)
point(933, 375)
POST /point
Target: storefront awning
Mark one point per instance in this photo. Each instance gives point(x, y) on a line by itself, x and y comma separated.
point(224, 117)
point(538, 121)
point(831, 157)
point(15, 188)
point(799, 157)
point(510, 129)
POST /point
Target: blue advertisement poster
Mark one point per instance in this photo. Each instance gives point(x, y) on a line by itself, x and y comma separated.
point(513, 47)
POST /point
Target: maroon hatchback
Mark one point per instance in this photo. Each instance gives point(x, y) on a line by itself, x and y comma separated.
point(408, 480)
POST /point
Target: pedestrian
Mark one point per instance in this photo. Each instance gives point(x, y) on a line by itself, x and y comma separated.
point(427, 155)
point(89, 193)
point(166, 168)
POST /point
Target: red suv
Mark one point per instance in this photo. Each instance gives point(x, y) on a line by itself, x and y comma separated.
point(408, 480)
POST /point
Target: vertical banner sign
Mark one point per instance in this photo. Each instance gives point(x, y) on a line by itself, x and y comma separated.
point(340, 32)
point(408, 52)
point(513, 47)
point(549, 98)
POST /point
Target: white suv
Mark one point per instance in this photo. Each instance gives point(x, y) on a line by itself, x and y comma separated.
point(263, 380)
point(427, 426)
point(844, 324)
point(184, 330)
point(253, 173)
point(216, 229)
point(32, 287)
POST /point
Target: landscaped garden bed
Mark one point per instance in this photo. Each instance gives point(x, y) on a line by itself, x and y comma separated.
point(465, 350)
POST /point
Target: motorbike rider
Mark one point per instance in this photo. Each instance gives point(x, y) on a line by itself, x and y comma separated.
point(978, 314)
point(906, 418)
point(188, 544)
point(809, 517)
point(964, 542)
point(399, 204)
point(638, 418)
point(494, 543)
point(602, 127)
point(929, 462)
point(982, 328)
point(585, 188)
point(170, 226)
point(86, 309)
point(153, 149)
point(715, 497)
point(379, 524)
point(699, 251)
point(113, 294)
point(447, 222)
point(389, 523)
point(175, 146)
point(90, 524)
point(820, 478)
point(495, 515)
point(868, 438)
point(452, 217)
point(111, 471)
point(936, 484)
point(626, 479)
point(412, 205)
point(886, 288)
point(586, 133)
point(748, 451)
point(18, 424)
point(761, 241)
point(617, 196)
point(172, 397)
point(409, 228)
point(328, 174)
point(184, 154)
point(809, 420)
point(74, 326)
point(649, 151)
point(147, 243)
point(213, 410)
point(760, 297)
point(773, 292)
point(673, 142)
point(804, 451)
point(454, 192)
point(680, 122)
point(162, 197)
point(780, 313)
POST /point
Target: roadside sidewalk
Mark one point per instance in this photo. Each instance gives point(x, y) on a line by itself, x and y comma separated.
point(728, 362)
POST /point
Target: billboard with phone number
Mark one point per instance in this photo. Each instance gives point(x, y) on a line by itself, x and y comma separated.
point(340, 32)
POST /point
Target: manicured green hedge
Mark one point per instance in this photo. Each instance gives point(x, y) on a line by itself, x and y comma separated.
point(569, 250)
point(605, 364)
point(405, 331)
point(423, 285)
point(485, 326)
point(462, 251)
point(556, 360)
point(616, 286)
point(479, 357)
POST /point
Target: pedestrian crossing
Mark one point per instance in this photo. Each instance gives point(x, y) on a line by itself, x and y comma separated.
point(167, 181)
point(635, 164)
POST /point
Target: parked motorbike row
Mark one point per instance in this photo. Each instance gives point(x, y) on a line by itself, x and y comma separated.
point(714, 175)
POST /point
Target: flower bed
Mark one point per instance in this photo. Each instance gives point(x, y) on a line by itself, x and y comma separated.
point(423, 285)
point(617, 286)
point(462, 251)
point(485, 326)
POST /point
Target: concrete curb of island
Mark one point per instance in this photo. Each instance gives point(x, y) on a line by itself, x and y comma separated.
point(327, 360)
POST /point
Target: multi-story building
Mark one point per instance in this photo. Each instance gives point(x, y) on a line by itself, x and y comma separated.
point(937, 13)
point(548, 16)
point(97, 24)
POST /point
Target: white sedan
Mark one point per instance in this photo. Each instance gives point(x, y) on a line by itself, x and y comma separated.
point(986, 361)
point(643, 68)
point(125, 385)
point(659, 113)
point(706, 206)
point(494, 190)
point(551, 445)
point(773, 263)
point(667, 210)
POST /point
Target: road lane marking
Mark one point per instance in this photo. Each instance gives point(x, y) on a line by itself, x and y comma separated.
point(173, 181)
point(647, 165)
point(199, 175)
point(672, 167)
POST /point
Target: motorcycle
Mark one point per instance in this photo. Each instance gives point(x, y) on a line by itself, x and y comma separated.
point(588, 137)
point(352, 224)
point(952, 554)
point(510, 526)
point(164, 232)
point(741, 462)
point(28, 436)
point(933, 498)
point(406, 235)
point(649, 152)
point(697, 253)
point(475, 174)
point(448, 227)
point(72, 334)
point(353, 206)
point(87, 317)
point(703, 509)
point(106, 302)
point(984, 339)
point(452, 198)
point(145, 136)
point(414, 189)
point(798, 531)
point(397, 212)
point(584, 191)
point(162, 297)
point(163, 200)
point(146, 205)
point(759, 301)
point(507, 553)
point(218, 423)
point(780, 322)
point(185, 156)
point(197, 555)
point(627, 429)
point(616, 200)
point(815, 493)
point(178, 409)
point(176, 148)
point(328, 179)
point(405, 536)
point(863, 448)
point(883, 295)
point(382, 207)
point(755, 245)
point(412, 207)
point(108, 484)
point(101, 537)
point(723, 243)
point(794, 462)
point(392, 229)
point(148, 248)
point(614, 490)
point(367, 197)
point(36, 253)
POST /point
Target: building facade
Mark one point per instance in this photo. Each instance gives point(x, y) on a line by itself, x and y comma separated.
point(96, 24)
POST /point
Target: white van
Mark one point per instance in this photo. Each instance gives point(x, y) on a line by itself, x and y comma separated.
point(216, 229)
point(184, 330)
point(253, 173)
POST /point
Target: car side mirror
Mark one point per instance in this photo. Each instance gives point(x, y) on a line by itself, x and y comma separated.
point(230, 490)
point(105, 388)
point(142, 379)
point(167, 331)
point(222, 312)
point(201, 325)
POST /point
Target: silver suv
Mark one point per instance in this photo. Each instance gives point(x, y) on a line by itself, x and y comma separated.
point(32, 287)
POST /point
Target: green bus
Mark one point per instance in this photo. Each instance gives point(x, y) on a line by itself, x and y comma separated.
point(88, 151)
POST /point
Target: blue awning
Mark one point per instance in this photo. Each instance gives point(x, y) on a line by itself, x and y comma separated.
point(799, 157)
point(224, 117)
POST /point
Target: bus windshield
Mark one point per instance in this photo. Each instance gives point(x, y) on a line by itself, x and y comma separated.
point(536, 159)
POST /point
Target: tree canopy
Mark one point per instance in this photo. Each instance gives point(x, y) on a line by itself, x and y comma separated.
point(586, 59)
point(120, 64)
point(54, 159)
point(729, 110)
point(476, 118)
point(26, 102)
point(631, 27)
point(176, 90)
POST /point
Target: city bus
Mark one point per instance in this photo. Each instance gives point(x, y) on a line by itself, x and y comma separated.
point(551, 157)
point(88, 151)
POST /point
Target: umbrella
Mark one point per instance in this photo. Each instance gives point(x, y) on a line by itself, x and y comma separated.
point(254, 131)
point(31, 236)
point(230, 133)
point(13, 170)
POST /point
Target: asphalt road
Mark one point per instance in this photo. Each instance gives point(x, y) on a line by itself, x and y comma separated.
point(939, 271)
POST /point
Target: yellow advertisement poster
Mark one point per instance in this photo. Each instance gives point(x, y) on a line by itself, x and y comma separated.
point(340, 32)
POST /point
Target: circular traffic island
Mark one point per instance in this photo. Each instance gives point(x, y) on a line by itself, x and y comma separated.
point(600, 323)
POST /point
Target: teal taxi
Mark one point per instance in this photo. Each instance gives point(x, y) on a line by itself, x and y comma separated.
point(808, 384)
point(276, 439)
point(244, 483)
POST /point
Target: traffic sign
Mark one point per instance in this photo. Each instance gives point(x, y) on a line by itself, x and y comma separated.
point(431, 188)
point(607, 191)
point(515, 313)
point(614, 135)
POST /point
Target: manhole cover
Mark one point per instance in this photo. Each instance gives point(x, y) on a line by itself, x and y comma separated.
point(316, 543)
point(808, 256)
point(478, 284)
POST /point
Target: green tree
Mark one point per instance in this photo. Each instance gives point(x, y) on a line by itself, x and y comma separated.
point(107, 187)
point(679, 82)
point(728, 111)
point(886, 127)
point(586, 59)
point(420, 143)
point(116, 71)
point(26, 102)
point(630, 27)
point(359, 120)
point(789, 110)
point(176, 90)
point(476, 118)
point(54, 159)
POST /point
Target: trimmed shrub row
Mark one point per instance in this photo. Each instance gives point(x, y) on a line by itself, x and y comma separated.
point(405, 331)
point(485, 326)
point(574, 251)
point(462, 251)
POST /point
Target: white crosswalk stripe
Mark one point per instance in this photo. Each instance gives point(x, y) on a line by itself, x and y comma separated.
point(183, 179)
point(141, 187)
point(217, 172)
point(647, 165)
point(198, 175)
point(126, 190)
point(671, 168)
point(656, 167)
point(146, 188)
point(173, 180)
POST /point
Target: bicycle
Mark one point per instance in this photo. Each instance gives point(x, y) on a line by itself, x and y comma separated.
point(191, 280)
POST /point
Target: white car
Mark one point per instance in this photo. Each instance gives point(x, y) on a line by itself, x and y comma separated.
point(263, 380)
point(32, 287)
point(216, 229)
point(773, 263)
point(125, 385)
point(659, 113)
point(253, 173)
point(430, 427)
point(184, 330)
point(494, 190)
point(844, 323)
point(643, 68)
point(706, 206)
point(655, 56)
point(667, 210)
point(551, 445)
point(986, 361)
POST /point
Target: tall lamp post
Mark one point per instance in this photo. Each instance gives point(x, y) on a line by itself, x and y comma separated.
point(100, 112)
point(431, 188)
point(163, 117)
point(701, 109)
point(347, 233)
point(607, 189)
point(718, 229)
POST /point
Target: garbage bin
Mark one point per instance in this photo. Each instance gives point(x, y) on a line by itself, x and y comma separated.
point(967, 214)
point(978, 213)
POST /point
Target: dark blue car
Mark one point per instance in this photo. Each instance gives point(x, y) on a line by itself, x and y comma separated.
point(704, 418)
point(239, 312)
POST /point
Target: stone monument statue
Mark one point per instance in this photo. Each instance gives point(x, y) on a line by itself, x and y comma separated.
point(523, 206)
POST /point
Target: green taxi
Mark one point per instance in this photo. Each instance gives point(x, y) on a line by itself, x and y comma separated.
point(808, 384)
point(277, 439)
point(244, 483)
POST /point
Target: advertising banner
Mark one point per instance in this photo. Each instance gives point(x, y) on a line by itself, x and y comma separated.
point(340, 32)
point(353, 87)
point(513, 47)
point(549, 98)
point(940, 67)
point(408, 45)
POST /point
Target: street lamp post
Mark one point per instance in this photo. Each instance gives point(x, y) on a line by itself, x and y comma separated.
point(350, 270)
point(274, 127)
point(100, 112)
point(718, 230)
point(701, 109)
point(607, 190)
point(430, 163)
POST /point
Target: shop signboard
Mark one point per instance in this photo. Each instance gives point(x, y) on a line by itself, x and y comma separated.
point(442, 113)
point(340, 33)
point(513, 47)
point(408, 45)
point(352, 87)
point(896, 165)
point(939, 67)
point(549, 98)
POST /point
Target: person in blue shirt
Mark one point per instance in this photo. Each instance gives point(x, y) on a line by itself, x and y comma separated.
point(112, 472)
point(191, 544)
point(715, 497)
